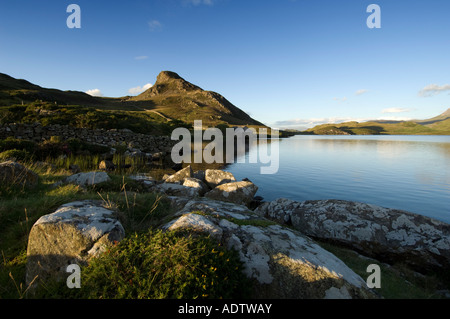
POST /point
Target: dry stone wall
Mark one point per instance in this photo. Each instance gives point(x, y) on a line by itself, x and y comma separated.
point(36, 132)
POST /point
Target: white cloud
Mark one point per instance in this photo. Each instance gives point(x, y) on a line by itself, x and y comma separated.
point(154, 25)
point(141, 57)
point(138, 89)
point(397, 110)
point(340, 99)
point(360, 92)
point(199, 2)
point(433, 89)
point(94, 92)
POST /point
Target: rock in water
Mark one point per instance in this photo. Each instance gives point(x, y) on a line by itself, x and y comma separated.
point(73, 234)
point(387, 234)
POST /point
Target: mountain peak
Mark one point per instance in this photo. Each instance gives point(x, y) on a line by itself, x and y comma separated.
point(177, 98)
point(166, 76)
point(168, 83)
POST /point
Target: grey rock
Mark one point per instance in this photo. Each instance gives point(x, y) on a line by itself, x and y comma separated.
point(197, 184)
point(235, 192)
point(144, 179)
point(87, 179)
point(73, 234)
point(387, 234)
point(215, 177)
point(284, 262)
point(179, 176)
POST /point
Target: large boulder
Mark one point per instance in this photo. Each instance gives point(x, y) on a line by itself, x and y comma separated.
point(179, 176)
point(284, 263)
point(13, 173)
point(387, 234)
point(236, 192)
point(215, 177)
point(87, 179)
point(73, 234)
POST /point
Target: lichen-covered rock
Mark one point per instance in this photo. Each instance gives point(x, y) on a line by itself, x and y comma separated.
point(179, 176)
point(13, 173)
point(197, 184)
point(73, 234)
point(215, 177)
point(283, 262)
point(87, 179)
point(236, 192)
point(387, 234)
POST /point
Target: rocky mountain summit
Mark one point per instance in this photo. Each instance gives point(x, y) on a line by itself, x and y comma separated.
point(177, 98)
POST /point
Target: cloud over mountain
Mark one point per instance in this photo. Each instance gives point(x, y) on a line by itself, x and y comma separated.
point(139, 89)
point(94, 92)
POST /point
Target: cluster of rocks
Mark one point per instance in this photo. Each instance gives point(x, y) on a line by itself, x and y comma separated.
point(275, 241)
point(211, 183)
point(38, 133)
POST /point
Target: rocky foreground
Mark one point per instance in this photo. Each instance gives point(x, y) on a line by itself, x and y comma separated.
point(275, 240)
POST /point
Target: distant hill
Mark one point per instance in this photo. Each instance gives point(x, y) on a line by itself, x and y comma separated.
point(16, 91)
point(435, 120)
point(438, 125)
point(171, 99)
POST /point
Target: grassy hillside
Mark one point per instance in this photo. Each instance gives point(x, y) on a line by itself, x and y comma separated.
point(439, 125)
point(176, 98)
point(171, 102)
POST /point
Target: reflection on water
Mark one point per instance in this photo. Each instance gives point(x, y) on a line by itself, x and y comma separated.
point(403, 172)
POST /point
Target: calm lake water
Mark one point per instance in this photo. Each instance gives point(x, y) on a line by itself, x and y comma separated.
point(404, 172)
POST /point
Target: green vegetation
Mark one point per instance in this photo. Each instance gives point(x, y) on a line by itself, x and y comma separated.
point(47, 113)
point(397, 281)
point(157, 265)
point(146, 264)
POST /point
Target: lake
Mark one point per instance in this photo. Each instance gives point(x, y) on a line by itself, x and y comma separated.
point(411, 173)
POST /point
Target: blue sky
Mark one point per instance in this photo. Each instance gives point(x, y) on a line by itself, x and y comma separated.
point(289, 64)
